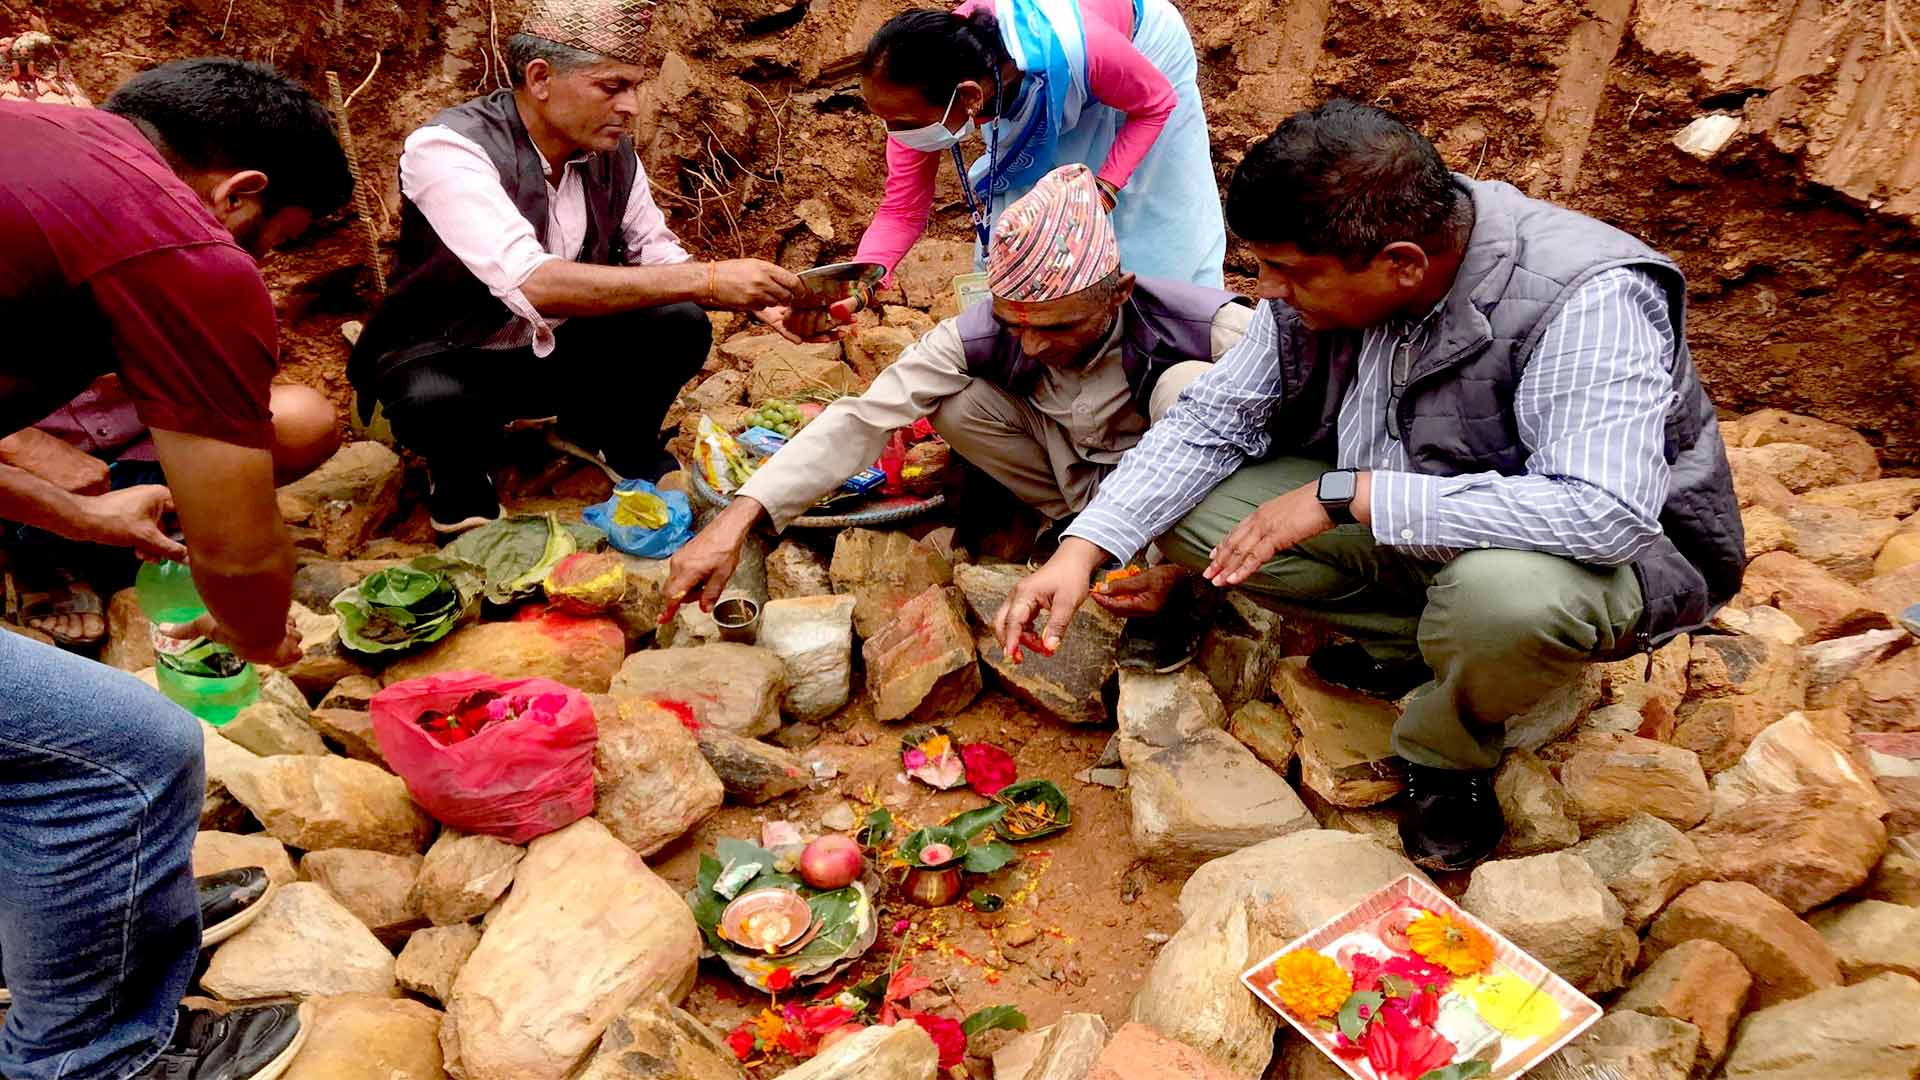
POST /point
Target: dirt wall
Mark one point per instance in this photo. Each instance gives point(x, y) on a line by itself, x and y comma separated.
point(1801, 236)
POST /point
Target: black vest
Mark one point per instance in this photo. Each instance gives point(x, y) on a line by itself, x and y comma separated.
point(1524, 261)
point(434, 304)
point(1162, 324)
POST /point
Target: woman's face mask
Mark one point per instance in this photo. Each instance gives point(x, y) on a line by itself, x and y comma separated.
point(936, 136)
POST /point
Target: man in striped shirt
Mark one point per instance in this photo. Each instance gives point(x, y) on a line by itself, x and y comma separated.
point(1464, 431)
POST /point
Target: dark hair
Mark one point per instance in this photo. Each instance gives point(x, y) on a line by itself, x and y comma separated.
point(1345, 180)
point(935, 51)
point(524, 49)
point(219, 113)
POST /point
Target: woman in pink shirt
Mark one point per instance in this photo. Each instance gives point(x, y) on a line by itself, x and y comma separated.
point(1107, 83)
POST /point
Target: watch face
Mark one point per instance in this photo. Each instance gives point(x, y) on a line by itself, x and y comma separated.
point(1336, 486)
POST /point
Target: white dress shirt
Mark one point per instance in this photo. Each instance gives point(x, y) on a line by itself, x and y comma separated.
point(457, 188)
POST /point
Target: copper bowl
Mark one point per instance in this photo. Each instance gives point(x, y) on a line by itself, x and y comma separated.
point(766, 920)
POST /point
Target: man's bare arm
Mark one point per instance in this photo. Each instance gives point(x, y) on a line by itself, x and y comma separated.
point(129, 518)
point(242, 557)
point(563, 289)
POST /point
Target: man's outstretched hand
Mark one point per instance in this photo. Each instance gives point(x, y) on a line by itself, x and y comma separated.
point(134, 518)
point(281, 654)
point(750, 284)
point(804, 325)
point(1138, 595)
point(1058, 588)
point(703, 567)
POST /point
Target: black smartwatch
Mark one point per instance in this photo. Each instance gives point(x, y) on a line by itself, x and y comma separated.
point(1336, 492)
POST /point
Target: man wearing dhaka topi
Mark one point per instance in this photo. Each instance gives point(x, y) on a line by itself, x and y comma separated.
point(536, 276)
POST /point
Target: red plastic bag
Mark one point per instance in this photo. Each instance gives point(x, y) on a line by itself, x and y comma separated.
point(515, 778)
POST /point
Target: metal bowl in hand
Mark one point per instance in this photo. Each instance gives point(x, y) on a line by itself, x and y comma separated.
point(823, 286)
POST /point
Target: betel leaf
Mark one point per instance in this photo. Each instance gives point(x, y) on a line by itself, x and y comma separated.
point(1462, 1070)
point(878, 829)
point(1035, 808)
point(516, 552)
point(1352, 1024)
point(403, 607)
point(917, 841)
point(974, 822)
point(988, 857)
point(994, 1018)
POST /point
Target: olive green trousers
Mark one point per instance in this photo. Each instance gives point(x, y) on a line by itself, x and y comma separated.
point(1500, 629)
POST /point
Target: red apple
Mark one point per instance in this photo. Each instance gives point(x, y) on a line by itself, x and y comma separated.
point(831, 862)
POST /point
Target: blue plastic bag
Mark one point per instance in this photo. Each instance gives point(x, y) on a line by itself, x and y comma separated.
point(638, 539)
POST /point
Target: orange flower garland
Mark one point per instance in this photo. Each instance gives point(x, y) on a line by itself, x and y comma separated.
point(1311, 984)
point(1453, 945)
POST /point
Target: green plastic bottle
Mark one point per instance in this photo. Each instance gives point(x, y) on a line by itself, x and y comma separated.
point(202, 676)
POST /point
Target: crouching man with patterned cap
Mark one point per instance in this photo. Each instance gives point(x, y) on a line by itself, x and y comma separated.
point(536, 276)
point(1043, 388)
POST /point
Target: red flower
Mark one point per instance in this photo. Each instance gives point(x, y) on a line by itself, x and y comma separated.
point(947, 1035)
point(740, 1040)
point(989, 768)
point(1368, 971)
point(781, 979)
point(1400, 1048)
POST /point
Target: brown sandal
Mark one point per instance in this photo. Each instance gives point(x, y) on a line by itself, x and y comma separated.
point(70, 595)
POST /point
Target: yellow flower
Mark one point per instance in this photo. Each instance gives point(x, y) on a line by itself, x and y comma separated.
point(1453, 945)
point(1311, 984)
point(937, 747)
point(1510, 1003)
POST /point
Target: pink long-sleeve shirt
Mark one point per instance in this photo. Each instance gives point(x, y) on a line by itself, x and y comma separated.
point(1118, 76)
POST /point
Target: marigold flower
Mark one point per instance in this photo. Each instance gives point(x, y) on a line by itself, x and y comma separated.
point(1453, 945)
point(1310, 984)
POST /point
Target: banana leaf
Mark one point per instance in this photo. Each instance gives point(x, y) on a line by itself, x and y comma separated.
point(516, 552)
point(405, 607)
point(848, 923)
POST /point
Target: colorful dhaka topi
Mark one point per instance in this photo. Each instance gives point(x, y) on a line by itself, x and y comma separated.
point(615, 29)
point(1053, 241)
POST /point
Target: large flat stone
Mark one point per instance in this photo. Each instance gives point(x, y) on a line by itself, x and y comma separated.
point(1067, 685)
point(1645, 862)
point(1786, 957)
point(1557, 909)
point(921, 665)
point(304, 944)
point(1207, 796)
point(1802, 849)
point(315, 802)
point(1699, 982)
point(1861, 1032)
point(882, 571)
point(579, 651)
point(1630, 775)
point(1872, 938)
point(1346, 738)
point(375, 886)
point(814, 636)
point(1296, 882)
point(728, 686)
point(1193, 993)
point(650, 782)
point(370, 1037)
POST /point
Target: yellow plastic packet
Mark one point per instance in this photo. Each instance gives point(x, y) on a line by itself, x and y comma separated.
point(641, 509)
point(722, 462)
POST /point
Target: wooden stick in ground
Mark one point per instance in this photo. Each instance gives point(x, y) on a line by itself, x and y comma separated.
point(362, 195)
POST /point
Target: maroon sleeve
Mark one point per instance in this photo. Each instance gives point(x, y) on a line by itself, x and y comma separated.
point(195, 340)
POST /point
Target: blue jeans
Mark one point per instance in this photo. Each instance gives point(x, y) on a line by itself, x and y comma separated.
point(101, 781)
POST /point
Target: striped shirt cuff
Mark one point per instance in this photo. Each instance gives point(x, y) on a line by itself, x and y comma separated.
point(1110, 531)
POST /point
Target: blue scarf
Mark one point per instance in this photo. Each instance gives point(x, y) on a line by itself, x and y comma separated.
point(1048, 43)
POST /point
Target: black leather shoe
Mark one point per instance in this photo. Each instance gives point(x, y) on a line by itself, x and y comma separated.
point(244, 1044)
point(229, 901)
point(461, 500)
point(1353, 667)
point(1452, 819)
point(1169, 641)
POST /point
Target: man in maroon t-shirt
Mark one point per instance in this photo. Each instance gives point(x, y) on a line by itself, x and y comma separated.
point(127, 245)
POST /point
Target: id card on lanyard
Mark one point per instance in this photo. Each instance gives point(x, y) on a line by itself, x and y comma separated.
point(970, 289)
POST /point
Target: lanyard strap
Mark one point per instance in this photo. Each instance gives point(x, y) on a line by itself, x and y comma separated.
point(981, 229)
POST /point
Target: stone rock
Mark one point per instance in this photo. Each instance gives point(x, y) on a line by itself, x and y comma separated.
point(873, 350)
point(1346, 738)
point(1540, 816)
point(1754, 486)
point(1896, 880)
point(219, 810)
point(304, 943)
point(375, 886)
point(1294, 883)
point(1067, 1050)
point(1893, 761)
point(882, 571)
point(921, 664)
point(317, 581)
point(1786, 957)
point(587, 930)
point(1207, 796)
point(902, 1052)
point(1240, 650)
point(1767, 427)
point(1799, 468)
point(1895, 497)
point(313, 803)
point(1802, 848)
point(1766, 529)
point(814, 636)
point(1154, 712)
point(1842, 541)
point(919, 322)
point(644, 601)
point(1862, 1032)
point(1634, 775)
point(324, 661)
point(1698, 982)
point(925, 275)
point(1871, 938)
point(730, 687)
point(1068, 685)
point(1645, 862)
point(1556, 908)
point(350, 731)
point(1900, 552)
point(1559, 712)
point(1739, 686)
point(352, 694)
point(795, 570)
point(1267, 732)
point(1791, 757)
point(727, 386)
point(1193, 994)
point(214, 852)
point(654, 1039)
point(1769, 623)
point(1654, 698)
point(1138, 1052)
point(369, 1037)
point(463, 875)
point(751, 771)
point(1632, 1044)
point(1821, 603)
point(742, 351)
point(348, 498)
point(129, 644)
point(581, 652)
point(650, 783)
point(1831, 663)
point(780, 373)
point(1886, 696)
point(433, 958)
point(277, 722)
point(1301, 1060)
